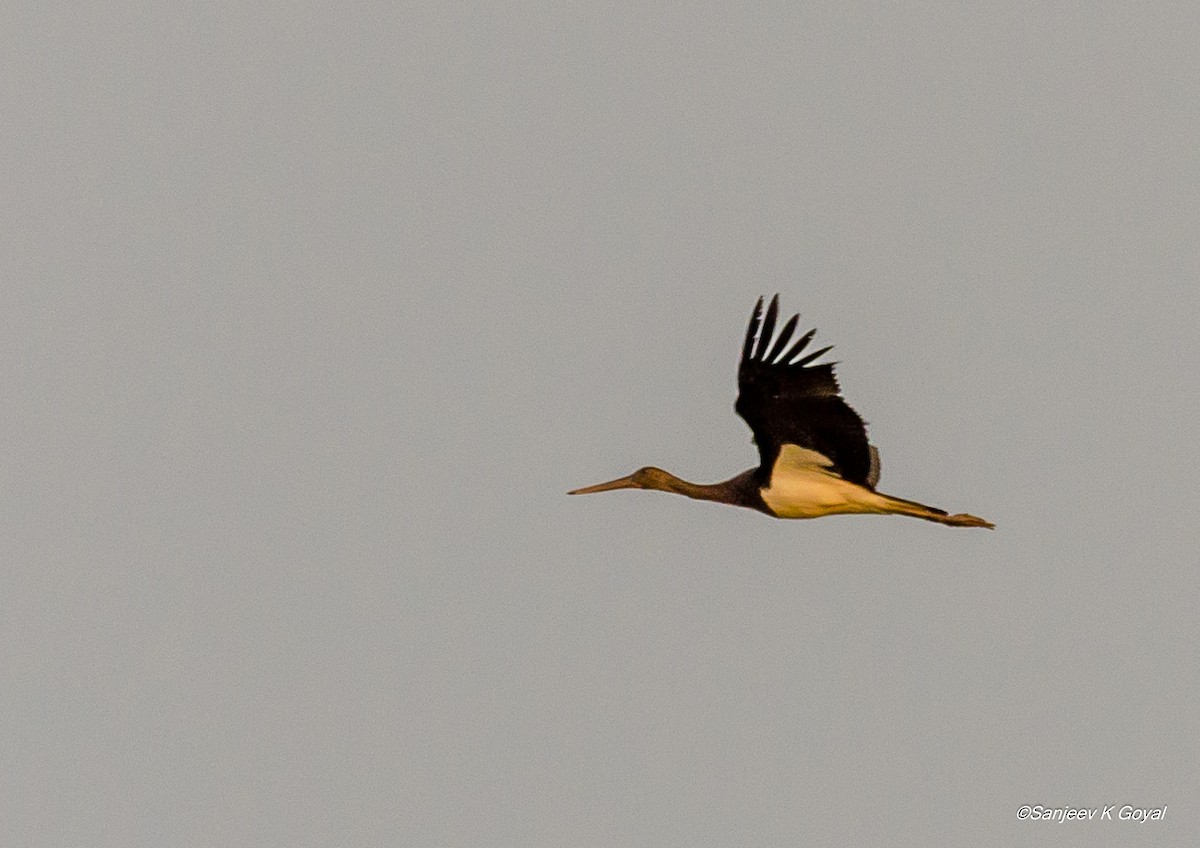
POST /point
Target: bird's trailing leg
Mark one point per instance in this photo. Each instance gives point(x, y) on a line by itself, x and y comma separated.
point(900, 506)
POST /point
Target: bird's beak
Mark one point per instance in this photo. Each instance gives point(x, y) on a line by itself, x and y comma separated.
point(623, 483)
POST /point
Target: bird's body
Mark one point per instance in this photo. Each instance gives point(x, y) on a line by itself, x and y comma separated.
point(803, 486)
point(815, 457)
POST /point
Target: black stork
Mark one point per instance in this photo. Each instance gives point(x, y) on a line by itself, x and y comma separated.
point(816, 459)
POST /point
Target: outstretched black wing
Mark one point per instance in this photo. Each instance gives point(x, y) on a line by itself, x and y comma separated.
point(785, 400)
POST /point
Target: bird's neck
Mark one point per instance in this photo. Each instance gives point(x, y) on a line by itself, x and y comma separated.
point(739, 490)
point(699, 491)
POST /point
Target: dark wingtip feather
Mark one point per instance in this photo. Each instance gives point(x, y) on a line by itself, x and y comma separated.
point(813, 356)
point(768, 327)
point(796, 349)
point(755, 319)
point(785, 335)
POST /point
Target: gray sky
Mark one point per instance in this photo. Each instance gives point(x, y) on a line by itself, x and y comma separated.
point(312, 313)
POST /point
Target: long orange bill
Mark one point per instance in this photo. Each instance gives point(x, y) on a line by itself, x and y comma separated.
point(623, 483)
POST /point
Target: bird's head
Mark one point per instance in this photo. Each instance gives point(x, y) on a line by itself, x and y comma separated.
point(644, 478)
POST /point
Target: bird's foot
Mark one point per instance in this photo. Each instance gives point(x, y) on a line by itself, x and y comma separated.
point(964, 520)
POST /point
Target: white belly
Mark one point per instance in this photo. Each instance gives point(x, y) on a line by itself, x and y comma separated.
point(803, 486)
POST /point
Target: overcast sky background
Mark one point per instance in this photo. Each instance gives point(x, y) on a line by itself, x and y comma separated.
point(311, 313)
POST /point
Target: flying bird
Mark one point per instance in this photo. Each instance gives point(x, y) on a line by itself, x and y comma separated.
point(815, 457)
